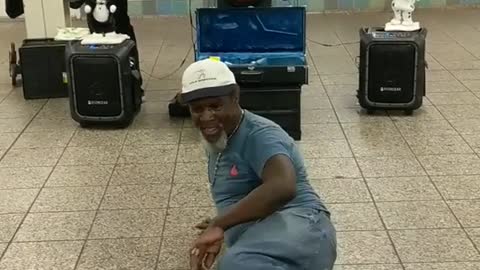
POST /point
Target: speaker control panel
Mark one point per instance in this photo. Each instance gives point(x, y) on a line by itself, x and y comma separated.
point(391, 35)
point(100, 46)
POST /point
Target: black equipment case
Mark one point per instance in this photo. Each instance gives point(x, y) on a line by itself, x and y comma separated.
point(392, 69)
point(104, 84)
point(42, 65)
point(265, 49)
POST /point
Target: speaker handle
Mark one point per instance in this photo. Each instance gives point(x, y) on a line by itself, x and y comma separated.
point(136, 74)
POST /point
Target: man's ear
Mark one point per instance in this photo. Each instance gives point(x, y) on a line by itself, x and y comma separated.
point(236, 94)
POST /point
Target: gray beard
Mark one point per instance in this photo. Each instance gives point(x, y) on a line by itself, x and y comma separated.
point(215, 147)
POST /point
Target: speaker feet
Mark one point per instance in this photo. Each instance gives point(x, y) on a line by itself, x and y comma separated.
point(108, 126)
point(372, 112)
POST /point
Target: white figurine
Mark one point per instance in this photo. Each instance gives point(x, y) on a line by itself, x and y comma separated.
point(403, 10)
point(101, 23)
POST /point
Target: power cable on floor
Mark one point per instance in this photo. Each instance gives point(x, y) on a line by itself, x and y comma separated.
point(184, 60)
point(174, 71)
point(332, 45)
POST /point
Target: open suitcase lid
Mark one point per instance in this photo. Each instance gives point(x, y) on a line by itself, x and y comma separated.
point(252, 36)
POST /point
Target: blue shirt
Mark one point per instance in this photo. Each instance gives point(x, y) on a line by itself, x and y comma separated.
point(238, 169)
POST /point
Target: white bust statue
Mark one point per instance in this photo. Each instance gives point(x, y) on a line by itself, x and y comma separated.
point(403, 10)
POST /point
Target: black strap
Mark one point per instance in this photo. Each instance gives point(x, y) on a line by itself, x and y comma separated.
point(14, 8)
point(76, 4)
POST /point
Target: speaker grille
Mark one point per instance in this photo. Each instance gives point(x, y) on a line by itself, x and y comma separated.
point(97, 86)
point(391, 73)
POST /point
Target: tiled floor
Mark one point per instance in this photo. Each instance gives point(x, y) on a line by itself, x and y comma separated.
point(404, 190)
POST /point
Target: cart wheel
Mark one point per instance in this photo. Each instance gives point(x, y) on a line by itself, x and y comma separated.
point(13, 68)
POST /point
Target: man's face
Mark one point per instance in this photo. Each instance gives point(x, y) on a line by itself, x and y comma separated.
point(214, 117)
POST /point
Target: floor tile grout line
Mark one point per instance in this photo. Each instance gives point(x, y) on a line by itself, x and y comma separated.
point(77, 263)
point(395, 249)
point(374, 202)
point(395, 201)
point(151, 237)
point(209, 207)
point(395, 176)
point(102, 164)
point(178, 132)
point(157, 260)
point(151, 72)
point(443, 198)
point(39, 191)
point(408, 229)
point(411, 262)
point(92, 210)
point(456, 41)
point(22, 131)
point(456, 79)
point(86, 186)
point(12, 89)
point(477, 247)
point(90, 239)
point(147, 82)
point(449, 121)
point(358, 167)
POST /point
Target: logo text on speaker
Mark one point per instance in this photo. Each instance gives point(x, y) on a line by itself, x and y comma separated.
point(98, 102)
point(390, 89)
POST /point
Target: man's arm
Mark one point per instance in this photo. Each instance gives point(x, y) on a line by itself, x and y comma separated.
point(278, 188)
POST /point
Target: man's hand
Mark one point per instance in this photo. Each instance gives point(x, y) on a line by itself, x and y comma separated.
point(206, 248)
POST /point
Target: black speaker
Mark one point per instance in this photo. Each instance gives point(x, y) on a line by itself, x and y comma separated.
point(104, 83)
point(392, 69)
point(243, 3)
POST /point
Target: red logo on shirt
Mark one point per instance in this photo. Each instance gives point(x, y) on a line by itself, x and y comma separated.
point(234, 171)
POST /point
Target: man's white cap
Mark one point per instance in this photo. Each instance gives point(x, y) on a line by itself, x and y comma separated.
point(207, 78)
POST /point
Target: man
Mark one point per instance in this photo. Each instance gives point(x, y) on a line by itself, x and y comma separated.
point(268, 214)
